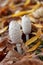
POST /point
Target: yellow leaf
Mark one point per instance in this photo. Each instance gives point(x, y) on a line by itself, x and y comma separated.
point(36, 6)
point(39, 32)
point(17, 14)
point(27, 2)
point(25, 12)
point(30, 41)
point(3, 30)
point(34, 47)
point(21, 13)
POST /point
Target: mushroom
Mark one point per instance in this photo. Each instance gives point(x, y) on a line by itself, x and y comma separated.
point(15, 35)
point(26, 26)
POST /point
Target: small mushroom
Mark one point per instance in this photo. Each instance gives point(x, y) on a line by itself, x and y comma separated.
point(15, 35)
point(26, 26)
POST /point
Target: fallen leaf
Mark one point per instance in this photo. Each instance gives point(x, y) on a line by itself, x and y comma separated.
point(3, 30)
point(30, 41)
point(27, 2)
point(34, 47)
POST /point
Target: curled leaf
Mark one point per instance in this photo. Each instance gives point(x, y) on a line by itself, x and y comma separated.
point(21, 13)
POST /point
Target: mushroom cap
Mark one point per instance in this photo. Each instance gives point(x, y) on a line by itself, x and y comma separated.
point(26, 24)
point(14, 32)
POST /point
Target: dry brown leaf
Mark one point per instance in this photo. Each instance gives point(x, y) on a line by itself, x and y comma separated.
point(27, 61)
point(11, 56)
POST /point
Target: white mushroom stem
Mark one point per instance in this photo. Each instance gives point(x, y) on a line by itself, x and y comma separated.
point(19, 48)
point(26, 26)
point(15, 35)
point(27, 37)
